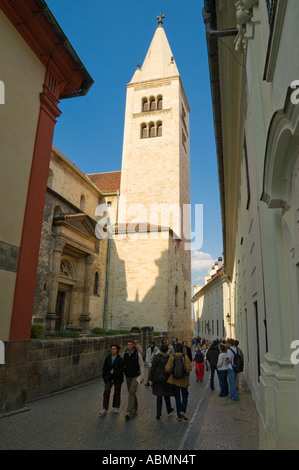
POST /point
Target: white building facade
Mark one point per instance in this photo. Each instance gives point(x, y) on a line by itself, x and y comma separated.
point(212, 317)
point(252, 47)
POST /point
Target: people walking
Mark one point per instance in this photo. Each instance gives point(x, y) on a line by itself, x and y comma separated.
point(222, 368)
point(113, 374)
point(199, 360)
point(231, 349)
point(180, 384)
point(158, 376)
point(134, 373)
point(242, 355)
point(138, 346)
point(212, 357)
point(187, 350)
point(150, 353)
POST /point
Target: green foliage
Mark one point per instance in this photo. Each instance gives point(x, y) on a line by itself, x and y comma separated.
point(103, 332)
point(64, 334)
point(37, 330)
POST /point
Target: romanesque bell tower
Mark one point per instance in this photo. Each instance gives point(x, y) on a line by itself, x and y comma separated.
point(155, 164)
point(150, 271)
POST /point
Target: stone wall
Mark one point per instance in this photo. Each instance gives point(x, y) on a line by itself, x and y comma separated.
point(34, 369)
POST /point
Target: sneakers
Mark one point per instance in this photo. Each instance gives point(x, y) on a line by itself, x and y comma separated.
point(179, 419)
point(116, 411)
point(184, 416)
point(128, 415)
point(103, 412)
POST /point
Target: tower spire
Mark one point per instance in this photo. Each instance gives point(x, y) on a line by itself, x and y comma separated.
point(160, 22)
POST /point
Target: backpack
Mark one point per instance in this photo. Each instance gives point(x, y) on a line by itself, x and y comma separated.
point(178, 370)
point(238, 362)
point(199, 357)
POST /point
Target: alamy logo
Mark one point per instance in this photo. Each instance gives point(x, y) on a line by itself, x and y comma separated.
point(137, 218)
point(2, 92)
point(295, 94)
point(295, 354)
point(2, 353)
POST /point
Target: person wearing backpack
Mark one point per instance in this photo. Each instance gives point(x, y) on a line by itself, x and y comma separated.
point(179, 366)
point(241, 364)
point(158, 376)
point(212, 357)
point(231, 352)
point(199, 360)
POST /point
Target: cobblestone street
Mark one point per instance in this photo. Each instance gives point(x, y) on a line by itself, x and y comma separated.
point(69, 420)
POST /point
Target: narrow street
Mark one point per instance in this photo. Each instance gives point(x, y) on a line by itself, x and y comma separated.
point(69, 421)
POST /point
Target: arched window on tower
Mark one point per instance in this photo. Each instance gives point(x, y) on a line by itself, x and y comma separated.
point(185, 299)
point(50, 178)
point(153, 105)
point(159, 129)
point(145, 104)
point(176, 296)
point(159, 102)
point(151, 130)
point(143, 131)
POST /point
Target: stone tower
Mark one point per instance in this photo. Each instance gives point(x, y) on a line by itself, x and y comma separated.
point(155, 164)
point(149, 281)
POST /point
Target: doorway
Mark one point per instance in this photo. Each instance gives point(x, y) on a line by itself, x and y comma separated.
point(60, 303)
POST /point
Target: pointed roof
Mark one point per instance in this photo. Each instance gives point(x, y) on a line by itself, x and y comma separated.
point(159, 62)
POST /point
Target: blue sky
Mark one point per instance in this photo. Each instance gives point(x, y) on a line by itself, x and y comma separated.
point(111, 38)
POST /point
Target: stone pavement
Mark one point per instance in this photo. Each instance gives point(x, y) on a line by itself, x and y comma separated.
point(69, 420)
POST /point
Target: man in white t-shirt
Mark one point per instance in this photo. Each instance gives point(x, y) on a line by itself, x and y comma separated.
point(231, 349)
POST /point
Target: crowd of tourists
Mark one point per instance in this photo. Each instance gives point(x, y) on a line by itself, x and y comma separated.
point(166, 368)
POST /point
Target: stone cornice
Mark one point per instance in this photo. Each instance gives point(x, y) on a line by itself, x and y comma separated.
point(152, 113)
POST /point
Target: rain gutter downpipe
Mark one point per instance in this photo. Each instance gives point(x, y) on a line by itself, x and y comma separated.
point(212, 34)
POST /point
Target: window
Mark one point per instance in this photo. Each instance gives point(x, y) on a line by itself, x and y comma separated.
point(185, 299)
point(176, 294)
point(271, 6)
point(184, 140)
point(96, 284)
point(257, 338)
point(145, 104)
point(159, 102)
point(143, 133)
point(82, 203)
point(50, 178)
point(153, 105)
point(152, 131)
point(159, 129)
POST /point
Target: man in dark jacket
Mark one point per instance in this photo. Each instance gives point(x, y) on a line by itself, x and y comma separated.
point(113, 374)
point(134, 372)
point(212, 357)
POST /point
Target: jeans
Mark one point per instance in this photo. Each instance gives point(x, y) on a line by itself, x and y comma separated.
point(159, 404)
point(213, 369)
point(222, 375)
point(232, 384)
point(180, 402)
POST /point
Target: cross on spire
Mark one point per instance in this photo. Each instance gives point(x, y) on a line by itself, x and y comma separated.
point(160, 22)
